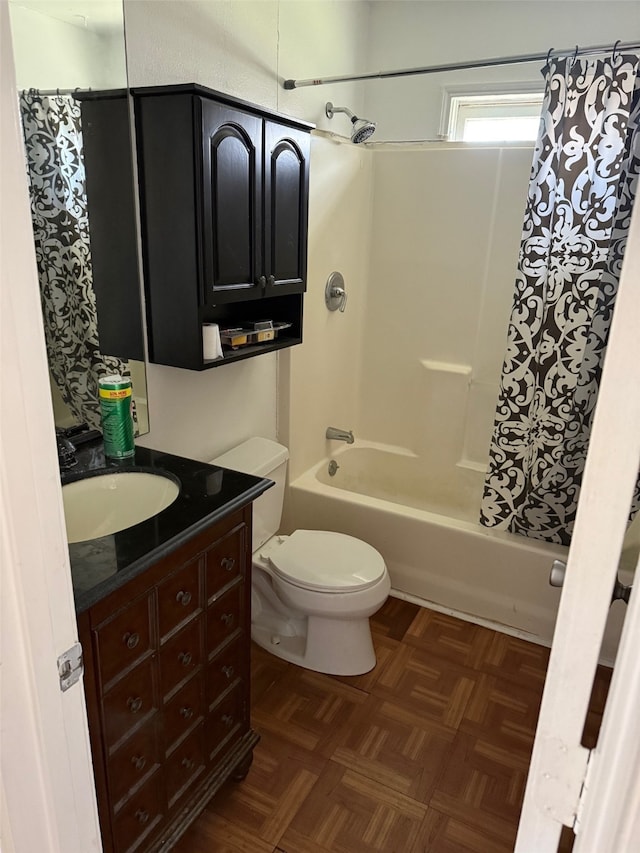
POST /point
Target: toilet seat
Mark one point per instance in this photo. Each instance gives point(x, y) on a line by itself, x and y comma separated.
point(325, 561)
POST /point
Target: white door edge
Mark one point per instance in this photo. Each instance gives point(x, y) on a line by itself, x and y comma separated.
point(48, 793)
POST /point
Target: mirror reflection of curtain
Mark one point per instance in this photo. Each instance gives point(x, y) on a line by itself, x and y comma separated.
point(53, 142)
point(583, 186)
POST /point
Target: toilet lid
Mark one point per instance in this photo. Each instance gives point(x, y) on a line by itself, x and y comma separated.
point(327, 561)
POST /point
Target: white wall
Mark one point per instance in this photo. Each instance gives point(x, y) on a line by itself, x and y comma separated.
point(413, 34)
point(245, 49)
point(53, 54)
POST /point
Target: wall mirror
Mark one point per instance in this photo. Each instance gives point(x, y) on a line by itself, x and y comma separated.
point(74, 104)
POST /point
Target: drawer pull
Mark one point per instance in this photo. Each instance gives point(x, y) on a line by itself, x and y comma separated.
point(183, 598)
point(228, 671)
point(139, 762)
point(186, 713)
point(227, 618)
point(131, 640)
point(142, 816)
point(188, 763)
point(185, 658)
point(134, 705)
point(228, 563)
point(227, 719)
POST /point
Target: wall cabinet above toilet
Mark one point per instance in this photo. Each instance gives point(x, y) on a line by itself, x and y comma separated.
point(224, 200)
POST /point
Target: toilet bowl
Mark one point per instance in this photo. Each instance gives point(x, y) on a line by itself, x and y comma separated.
point(312, 592)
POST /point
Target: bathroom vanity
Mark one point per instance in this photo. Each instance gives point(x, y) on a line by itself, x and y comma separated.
point(163, 619)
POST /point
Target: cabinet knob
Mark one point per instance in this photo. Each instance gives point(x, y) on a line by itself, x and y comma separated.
point(139, 762)
point(142, 816)
point(131, 640)
point(183, 598)
point(186, 713)
point(134, 704)
point(228, 563)
point(271, 280)
point(262, 281)
point(227, 719)
point(228, 671)
point(227, 618)
point(189, 763)
point(185, 658)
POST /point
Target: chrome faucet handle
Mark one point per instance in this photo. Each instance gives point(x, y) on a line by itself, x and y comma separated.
point(66, 452)
point(341, 294)
point(335, 295)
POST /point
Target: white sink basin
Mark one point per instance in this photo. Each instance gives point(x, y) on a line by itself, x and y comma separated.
point(107, 503)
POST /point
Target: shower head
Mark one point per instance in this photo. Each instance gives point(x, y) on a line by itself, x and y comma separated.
point(362, 127)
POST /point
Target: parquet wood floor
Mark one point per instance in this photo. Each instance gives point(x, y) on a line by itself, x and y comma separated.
point(428, 753)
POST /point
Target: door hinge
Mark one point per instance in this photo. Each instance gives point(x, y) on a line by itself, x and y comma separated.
point(583, 791)
point(70, 666)
point(561, 780)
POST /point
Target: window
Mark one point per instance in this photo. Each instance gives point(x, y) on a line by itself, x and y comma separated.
point(494, 117)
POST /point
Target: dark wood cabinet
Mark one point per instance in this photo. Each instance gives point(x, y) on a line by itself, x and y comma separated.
point(224, 200)
point(167, 687)
point(113, 229)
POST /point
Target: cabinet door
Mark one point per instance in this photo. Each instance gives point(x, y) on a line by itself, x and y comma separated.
point(231, 209)
point(286, 191)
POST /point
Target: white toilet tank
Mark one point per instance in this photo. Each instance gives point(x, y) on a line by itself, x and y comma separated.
point(262, 458)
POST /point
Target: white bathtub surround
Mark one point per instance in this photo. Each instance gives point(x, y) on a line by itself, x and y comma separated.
point(437, 553)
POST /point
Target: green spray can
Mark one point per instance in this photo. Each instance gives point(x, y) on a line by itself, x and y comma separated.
point(117, 423)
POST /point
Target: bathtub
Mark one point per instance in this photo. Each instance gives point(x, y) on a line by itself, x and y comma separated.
point(437, 553)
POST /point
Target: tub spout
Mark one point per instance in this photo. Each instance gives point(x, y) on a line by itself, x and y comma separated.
point(340, 435)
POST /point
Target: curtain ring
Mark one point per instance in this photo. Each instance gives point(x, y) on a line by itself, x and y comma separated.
point(575, 55)
point(549, 55)
point(613, 52)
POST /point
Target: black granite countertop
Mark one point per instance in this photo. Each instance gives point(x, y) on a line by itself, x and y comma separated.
point(207, 494)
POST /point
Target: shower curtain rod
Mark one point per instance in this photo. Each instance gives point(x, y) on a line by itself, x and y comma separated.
point(51, 92)
point(460, 66)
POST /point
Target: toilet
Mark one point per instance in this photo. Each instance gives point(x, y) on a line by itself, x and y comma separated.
point(313, 591)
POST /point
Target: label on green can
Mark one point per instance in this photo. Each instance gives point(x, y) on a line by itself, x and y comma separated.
point(117, 422)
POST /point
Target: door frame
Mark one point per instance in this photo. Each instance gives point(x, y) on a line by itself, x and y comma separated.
point(47, 793)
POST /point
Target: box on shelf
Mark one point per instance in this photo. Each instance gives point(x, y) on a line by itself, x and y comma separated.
point(252, 332)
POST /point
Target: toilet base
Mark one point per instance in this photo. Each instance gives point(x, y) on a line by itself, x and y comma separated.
point(331, 646)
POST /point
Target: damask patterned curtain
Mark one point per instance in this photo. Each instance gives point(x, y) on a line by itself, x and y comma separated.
point(53, 143)
point(583, 185)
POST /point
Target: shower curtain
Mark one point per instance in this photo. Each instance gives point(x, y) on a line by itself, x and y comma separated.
point(583, 184)
point(53, 144)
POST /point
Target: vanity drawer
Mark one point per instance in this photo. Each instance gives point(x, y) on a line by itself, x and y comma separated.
point(225, 617)
point(139, 816)
point(181, 656)
point(133, 761)
point(124, 639)
point(129, 702)
point(226, 668)
point(184, 710)
point(225, 561)
point(185, 765)
point(179, 597)
point(227, 720)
